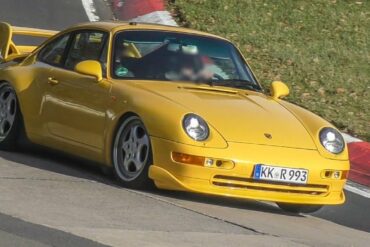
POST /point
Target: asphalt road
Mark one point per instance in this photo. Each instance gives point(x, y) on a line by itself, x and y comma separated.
point(47, 199)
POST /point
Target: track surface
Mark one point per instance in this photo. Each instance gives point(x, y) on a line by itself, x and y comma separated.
point(47, 199)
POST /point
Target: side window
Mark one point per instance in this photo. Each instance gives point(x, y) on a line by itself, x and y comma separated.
point(87, 45)
point(103, 58)
point(53, 52)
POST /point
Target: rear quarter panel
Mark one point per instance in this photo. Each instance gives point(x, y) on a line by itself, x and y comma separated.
point(22, 77)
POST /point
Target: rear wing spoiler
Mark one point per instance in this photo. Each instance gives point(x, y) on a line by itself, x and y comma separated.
point(9, 50)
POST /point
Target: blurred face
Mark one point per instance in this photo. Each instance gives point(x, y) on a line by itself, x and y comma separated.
point(187, 73)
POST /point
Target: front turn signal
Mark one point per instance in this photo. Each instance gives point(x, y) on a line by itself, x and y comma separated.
point(188, 159)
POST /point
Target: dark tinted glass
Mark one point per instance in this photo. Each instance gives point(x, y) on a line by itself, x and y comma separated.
point(53, 52)
point(153, 55)
point(85, 46)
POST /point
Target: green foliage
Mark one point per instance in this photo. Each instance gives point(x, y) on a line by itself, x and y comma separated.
point(319, 47)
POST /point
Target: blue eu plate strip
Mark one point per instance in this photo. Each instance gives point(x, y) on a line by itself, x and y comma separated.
point(257, 171)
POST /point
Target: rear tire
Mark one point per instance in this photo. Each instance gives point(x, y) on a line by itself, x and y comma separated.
point(132, 154)
point(298, 208)
point(10, 118)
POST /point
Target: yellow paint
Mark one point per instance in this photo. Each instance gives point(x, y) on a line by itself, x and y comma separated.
point(8, 50)
point(171, 175)
point(91, 68)
point(80, 116)
point(5, 40)
point(279, 90)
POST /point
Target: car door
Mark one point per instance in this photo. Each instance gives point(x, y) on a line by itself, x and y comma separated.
point(50, 56)
point(75, 109)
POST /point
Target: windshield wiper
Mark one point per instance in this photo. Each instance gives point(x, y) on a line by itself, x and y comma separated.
point(208, 82)
point(232, 83)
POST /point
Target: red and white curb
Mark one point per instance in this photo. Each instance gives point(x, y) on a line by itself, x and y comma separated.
point(149, 11)
point(359, 156)
point(359, 174)
point(90, 10)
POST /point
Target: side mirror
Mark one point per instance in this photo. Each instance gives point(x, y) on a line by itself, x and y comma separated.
point(91, 68)
point(279, 90)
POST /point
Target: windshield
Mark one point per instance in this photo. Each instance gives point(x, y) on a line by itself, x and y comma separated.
point(153, 55)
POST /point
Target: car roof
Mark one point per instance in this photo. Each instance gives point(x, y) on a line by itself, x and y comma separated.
point(116, 26)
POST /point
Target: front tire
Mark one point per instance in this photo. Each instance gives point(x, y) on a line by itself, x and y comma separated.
point(132, 154)
point(10, 118)
point(298, 208)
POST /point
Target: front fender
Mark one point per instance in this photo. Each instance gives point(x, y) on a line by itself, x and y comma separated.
point(313, 125)
point(161, 116)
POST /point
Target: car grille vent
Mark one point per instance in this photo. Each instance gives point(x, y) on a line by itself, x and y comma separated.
point(260, 185)
point(212, 90)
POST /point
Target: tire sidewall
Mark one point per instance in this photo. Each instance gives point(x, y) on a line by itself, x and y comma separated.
point(10, 141)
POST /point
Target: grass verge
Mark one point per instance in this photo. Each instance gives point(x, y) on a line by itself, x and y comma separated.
point(320, 48)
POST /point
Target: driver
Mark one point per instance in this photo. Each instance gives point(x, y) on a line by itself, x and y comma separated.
point(193, 67)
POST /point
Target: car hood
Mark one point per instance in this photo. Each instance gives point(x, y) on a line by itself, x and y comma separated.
point(239, 115)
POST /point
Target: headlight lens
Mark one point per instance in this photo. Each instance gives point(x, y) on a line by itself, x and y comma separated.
point(195, 127)
point(332, 140)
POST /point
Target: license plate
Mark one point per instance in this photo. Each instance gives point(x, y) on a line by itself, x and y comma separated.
point(280, 174)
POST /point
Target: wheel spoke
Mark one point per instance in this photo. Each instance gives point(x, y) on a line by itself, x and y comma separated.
point(144, 140)
point(125, 145)
point(2, 126)
point(8, 106)
point(132, 130)
point(126, 163)
point(9, 97)
point(3, 95)
point(138, 164)
point(10, 102)
point(10, 111)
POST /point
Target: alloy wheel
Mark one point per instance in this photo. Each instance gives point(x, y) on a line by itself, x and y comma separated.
point(131, 150)
point(8, 106)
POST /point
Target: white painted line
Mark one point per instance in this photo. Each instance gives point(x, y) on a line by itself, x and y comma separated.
point(90, 10)
point(349, 139)
point(158, 17)
point(357, 189)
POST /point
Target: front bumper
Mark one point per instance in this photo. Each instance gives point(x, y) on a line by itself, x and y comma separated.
point(237, 180)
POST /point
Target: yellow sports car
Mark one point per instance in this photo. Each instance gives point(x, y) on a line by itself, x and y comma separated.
point(173, 106)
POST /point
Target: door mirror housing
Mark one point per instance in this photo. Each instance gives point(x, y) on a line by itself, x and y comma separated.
point(91, 68)
point(279, 90)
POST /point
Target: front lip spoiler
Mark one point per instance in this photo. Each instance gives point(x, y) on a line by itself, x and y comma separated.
point(163, 179)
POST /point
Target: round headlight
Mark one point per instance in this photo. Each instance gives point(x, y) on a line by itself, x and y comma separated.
point(332, 140)
point(195, 127)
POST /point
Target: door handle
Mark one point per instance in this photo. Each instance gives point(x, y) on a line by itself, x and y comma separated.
point(52, 81)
